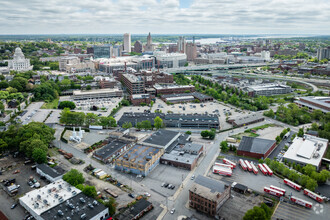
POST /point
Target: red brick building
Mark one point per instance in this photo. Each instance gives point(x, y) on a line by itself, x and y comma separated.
point(255, 147)
point(172, 89)
point(208, 195)
point(138, 99)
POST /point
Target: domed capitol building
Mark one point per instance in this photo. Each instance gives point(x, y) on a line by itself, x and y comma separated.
point(19, 63)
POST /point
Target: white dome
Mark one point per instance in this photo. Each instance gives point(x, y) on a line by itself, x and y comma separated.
point(18, 54)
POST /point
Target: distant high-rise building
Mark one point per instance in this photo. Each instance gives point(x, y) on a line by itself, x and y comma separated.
point(191, 51)
point(182, 45)
point(102, 51)
point(323, 53)
point(138, 47)
point(149, 46)
point(77, 50)
point(127, 42)
point(172, 48)
point(265, 55)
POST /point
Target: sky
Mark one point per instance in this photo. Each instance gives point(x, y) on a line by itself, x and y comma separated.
point(165, 16)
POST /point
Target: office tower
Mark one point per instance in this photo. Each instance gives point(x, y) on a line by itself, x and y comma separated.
point(191, 51)
point(138, 47)
point(182, 45)
point(127, 42)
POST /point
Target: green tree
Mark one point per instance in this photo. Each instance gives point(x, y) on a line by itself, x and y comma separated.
point(311, 184)
point(224, 146)
point(111, 205)
point(205, 133)
point(127, 125)
point(309, 169)
point(300, 132)
point(67, 104)
point(188, 132)
point(88, 87)
point(39, 155)
point(19, 83)
point(3, 145)
point(158, 123)
point(267, 210)
point(74, 177)
point(89, 191)
point(257, 213)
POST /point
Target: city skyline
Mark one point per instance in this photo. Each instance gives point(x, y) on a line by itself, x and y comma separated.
point(165, 17)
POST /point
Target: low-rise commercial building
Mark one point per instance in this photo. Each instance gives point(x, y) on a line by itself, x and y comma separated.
point(97, 94)
point(50, 173)
point(162, 138)
point(246, 120)
point(111, 150)
point(140, 208)
point(172, 89)
point(307, 150)
point(268, 89)
point(138, 99)
point(207, 195)
point(60, 200)
point(255, 147)
point(140, 160)
point(186, 97)
point(185, 156)
point(315, 103)
point(189, 121)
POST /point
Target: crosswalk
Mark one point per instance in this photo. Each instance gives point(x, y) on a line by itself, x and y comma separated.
point(288, 211)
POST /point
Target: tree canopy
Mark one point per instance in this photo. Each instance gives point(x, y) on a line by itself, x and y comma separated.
point(67, 104)
point(74, 177)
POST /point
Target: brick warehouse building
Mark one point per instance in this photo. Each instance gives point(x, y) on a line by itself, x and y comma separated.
point(255, 147)
point(207, 195)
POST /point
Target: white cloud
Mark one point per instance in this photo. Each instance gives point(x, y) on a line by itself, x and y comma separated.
point(164, 16)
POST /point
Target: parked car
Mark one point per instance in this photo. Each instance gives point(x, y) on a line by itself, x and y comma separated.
point(172, 210)
point(163, 184)
point(131, 195)
point(147, 194)
point(169, 186)
point(192, 177)
point(13, 206)
point(166, 184)
point(172, 187)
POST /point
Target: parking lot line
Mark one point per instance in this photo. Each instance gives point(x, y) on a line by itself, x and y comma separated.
point(288, 211)
point(291, 213)
point(295, 207)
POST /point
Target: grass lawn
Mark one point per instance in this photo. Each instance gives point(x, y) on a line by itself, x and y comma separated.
point(260, 127)
point(248, 134)
point(50, 105)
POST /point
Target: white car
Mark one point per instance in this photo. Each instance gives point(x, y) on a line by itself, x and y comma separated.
point(147, 194)
point(192, 177)
point(172, 210)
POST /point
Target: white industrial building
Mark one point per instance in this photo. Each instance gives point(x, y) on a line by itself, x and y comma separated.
point(19, 63)
point(50, 173)
point(170, 60)
point(60, 200)
point(307, 150)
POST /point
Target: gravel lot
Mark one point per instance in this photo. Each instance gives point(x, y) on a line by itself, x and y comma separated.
point(270, 132)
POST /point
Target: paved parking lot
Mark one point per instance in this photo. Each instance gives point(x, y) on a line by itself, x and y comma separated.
point(165, 174)
point(288, 211)
point(259, 181)
point(21, 179)
point(236, 206)
point(32, 110)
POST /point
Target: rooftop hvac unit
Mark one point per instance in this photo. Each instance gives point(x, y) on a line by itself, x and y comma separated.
point(316, 155)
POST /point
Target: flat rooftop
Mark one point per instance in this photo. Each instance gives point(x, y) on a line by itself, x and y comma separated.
point(157, 86)
point(139, 154)
point(133, 78)
point(97, 91)
point(162, 138)
point(308, 150)
point(268, 86)
point(247, 119)
point(81, 205)
point(112, 147)
point(49, 196)
point(51, 171)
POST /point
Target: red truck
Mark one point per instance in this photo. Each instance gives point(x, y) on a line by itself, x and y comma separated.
point(301, 202)
point(273, 192)
point(262, 168)
point(254, 169)
point(278, 189)
point(243, 165)
point(313, 195)
point(248, 165)
point(222, 170)
point(292, 184)
point(270, 172)
point(224, 165)
point(226, 161)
